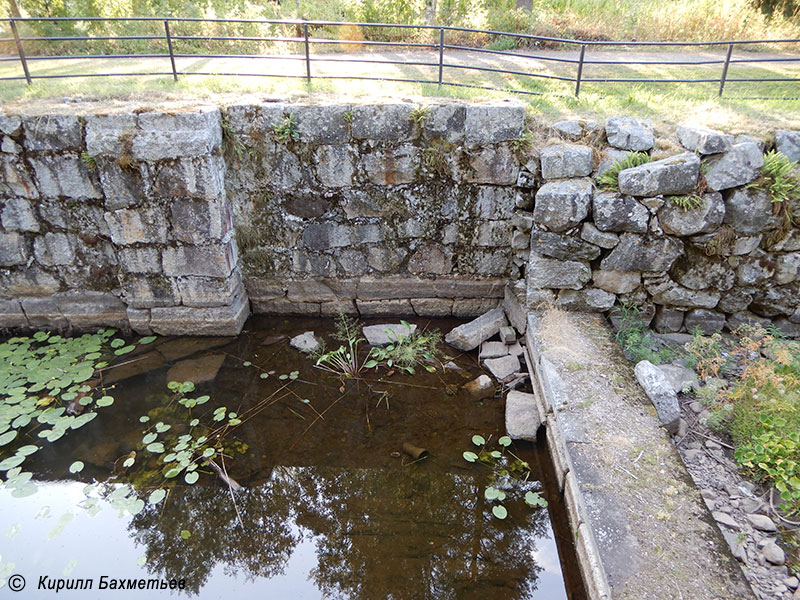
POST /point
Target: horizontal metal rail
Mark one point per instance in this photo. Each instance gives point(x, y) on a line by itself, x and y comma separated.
point(437, 45)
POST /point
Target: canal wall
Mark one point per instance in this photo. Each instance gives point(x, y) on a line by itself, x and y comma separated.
point(187, 218)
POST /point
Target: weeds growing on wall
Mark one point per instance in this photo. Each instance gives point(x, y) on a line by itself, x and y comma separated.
point(637, 340)
point(287, 130)
point(780, 180)
point(610, 179)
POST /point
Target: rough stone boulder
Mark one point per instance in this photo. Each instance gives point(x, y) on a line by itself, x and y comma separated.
point(788, 142)
point(658, 389)
point(670, 176)
point(680, 221)
point(561, 205)
point(522, 416)
point(386, 333)
point(642, 253)
point(738, 166)
point(561, 246)
point(306, 342)
point(670, 293)
point(698, 271)
point(587, 300)
point(628, 133)
point(567, 160)
point(704, 140)
point(707, 321)
point(558, 274)
point(617, 282)
point(470, 335)
point(593, 235)
point(615, 212)
point(504, 368)
point(748, 211)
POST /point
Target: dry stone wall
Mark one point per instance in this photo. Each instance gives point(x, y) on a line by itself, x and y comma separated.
point(185, 221)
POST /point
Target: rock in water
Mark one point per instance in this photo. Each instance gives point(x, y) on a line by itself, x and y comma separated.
point(470, 335)
point(196, 370)
point(306, 342)
point(480, 387)
point(522, 416)
point(503, 369)
point(659, 390)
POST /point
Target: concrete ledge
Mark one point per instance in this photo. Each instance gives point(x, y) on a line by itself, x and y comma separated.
point(218, 321)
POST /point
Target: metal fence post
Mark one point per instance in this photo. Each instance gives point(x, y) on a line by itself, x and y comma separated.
point(20, 51)
point(171, 53)
point(308, 58)
point(580, 71)
point(441, 54)
point(725, 69)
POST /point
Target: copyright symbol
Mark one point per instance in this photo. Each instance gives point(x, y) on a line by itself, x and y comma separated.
point(16, 583)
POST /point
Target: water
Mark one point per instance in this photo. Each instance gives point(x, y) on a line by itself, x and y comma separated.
point(330, 507)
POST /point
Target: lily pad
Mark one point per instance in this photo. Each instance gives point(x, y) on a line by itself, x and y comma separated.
point(499, 511)
point(478, 440)
point(76, 467)
point(191, 477)
point(470, 456)
point(157, 496)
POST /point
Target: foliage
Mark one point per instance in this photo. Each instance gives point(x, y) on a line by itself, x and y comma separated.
point(686, 203)
point(704, 353)
point(637, 340)
point(89, 161)
point(287, 131)
point(522, 145)
point(420, 114)
point(780, 180)
point(507, 475)
point(405, 352)
point(344, 361)
point(610, 179)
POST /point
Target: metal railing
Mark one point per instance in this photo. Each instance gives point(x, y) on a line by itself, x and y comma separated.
point(438, 47)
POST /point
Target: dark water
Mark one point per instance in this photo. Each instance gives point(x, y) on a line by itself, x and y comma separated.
point(330, 507)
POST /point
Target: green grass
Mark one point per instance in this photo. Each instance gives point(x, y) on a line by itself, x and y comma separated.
point(610, 179)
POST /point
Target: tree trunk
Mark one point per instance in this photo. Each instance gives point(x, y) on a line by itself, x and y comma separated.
point(13, 9)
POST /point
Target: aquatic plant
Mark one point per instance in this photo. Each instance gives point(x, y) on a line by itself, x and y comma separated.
point(506, 474)
point(405, 352)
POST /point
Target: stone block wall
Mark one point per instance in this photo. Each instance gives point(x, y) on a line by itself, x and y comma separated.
point(182, 221)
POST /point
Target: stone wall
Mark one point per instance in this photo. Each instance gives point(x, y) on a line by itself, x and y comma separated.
point(183, 221)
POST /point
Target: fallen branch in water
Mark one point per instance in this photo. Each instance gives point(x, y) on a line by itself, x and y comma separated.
point(222, 474)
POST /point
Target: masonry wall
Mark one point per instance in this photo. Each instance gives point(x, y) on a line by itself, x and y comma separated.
point(185, 221)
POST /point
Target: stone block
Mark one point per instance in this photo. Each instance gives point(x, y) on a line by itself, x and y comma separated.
point(754, 269)
point(393, 165)
point(748, 211)
point(284, 306)
point(149, 291)
point(574, 130)
point(628, 133)
point(18, 215)
point(385, 308)
point(335, 165)
point(337, 307)
point(522, 416)
point(42, 313)
point(205, 261)
point(323, 123)
point(586, 300)
point(735, 300)
point(787, 268)
point(9, 146)
point(323, 236)
point(787, 327)
point(593, 235)
point(140, 260)
point(13, 250)
point(680, 221)
point(200, 178)
point(309, 290)
point(503, 369)
point(432, 307)
point(15, 180)
point(564, 247)
point(139, 320)
point(670, 293)
point(493, 123)
point(470, 335)
point(658, 389)
point(616, 282)
point(30, 281)
point(708, 321)
point(514, 305)
point(384, 334)
point(493, 234)
point(609, 157)
point(209, 291)
point(432, 259)
point(642, 253)
point(186, 320)
point(494, 202)
point(55, 249)
point(668, 320)
point(675, 175)
point(385, 260)
point(703, 140)
point(351, 262)
point(495, 165)
point(617, 213)
point(11, 314)
point(88, 310)
point(109, 135)
point(484, 263)
point(561, 205)
point(163, 135)
point(10, 124)
point(53, 132)
point(564, 161)
point(468, 308)
point(136, 226)
point(383, 122)
point(546, 273)
point(738, 166)
point(200, 221)
point(445, 121)
point(788, 142)
point(64, 176)
point(698, 271)
point(122, 188)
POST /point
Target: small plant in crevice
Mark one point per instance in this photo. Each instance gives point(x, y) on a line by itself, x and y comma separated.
point(508, 475)
point(688, 202)
point(637, 340)
point(610, 179)
point(232, 145)
point(720, 242)
point(287, 130)
point(780, 180)
point(522, 145)
point(434, 157)
point(88, 160)
point(420, 114)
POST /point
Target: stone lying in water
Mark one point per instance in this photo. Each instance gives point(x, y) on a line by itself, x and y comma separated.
point(659, 390)
point(386, 333)
point(173, 349)
point(470, 335)
point(492, 350)
point(306, 342)
point(480, 387)
point(269, 340)
point(522, 416)
point(508, 335)
point(197, 370)
point(503, 369)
